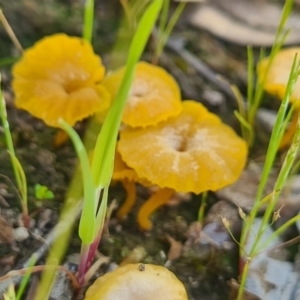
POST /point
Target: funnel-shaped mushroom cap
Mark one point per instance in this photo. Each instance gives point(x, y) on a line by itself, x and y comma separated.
point(137, 282)
point(154, 95)
point(193, 152)
point(59, 77)
point(122, 171)
point(276, 79)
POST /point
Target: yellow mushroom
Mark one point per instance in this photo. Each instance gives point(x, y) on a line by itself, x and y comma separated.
point(60, 77)
point(154, 95)
point(275, 79)
point(193, 152)
point(128, 178)
point(137, 282)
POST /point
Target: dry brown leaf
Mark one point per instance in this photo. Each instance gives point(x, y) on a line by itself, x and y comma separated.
point(6, 232)
point(175, 248)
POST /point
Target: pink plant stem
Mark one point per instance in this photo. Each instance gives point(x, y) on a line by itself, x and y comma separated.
point(84, 254)
point(86, 257)
point(92, 250)
point(26, 220)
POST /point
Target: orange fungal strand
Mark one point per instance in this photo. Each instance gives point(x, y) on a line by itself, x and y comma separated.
point(60, 138)
point(127, 205)
point(158, 199)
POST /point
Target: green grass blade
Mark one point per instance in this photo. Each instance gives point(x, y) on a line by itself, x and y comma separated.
point(163, 36)
point(250, 71)
point(23, 181)
point(7, 61)
point(246, 128)
point(284, 173)
point(286, 122)
point(286, 11)
point(241, 115)
point(104, 155)
point(17, 168)
point(26, 277)
point(88, 23)
point(280, 38)
point(164, 16)
point(280, 182)
point(272, 149)
point(137, 9)
point(86, 229)
point(102, 209)
point(127, 11)
point(279, 231)
point(276, 133)
point(270, 157)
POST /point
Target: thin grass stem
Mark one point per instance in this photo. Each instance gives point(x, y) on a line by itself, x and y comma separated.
point(88, 22)
point(10, 32)
point(16, 166)
point(250, 71)
point(165, 33)
point(26, 277)
point(284, 172)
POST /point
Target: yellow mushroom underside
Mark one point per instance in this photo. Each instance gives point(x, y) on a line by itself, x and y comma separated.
point(128, 178)
point(154, 95)
point(193, 152)
point(59, 77)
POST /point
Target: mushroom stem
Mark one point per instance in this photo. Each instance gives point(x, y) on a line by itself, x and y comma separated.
point(155, 201)
point(288, 135)
point(60, 138)
point(129, 186)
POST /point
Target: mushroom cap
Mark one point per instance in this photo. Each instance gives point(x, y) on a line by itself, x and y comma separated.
point(59, 77)
point(137, 282)
point(123, 172)
point(277, 76)
point(154, 95)
point(193, 152)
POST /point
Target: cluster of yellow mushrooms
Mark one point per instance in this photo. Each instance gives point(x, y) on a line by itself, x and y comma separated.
point(175, 145)
point(178, 146)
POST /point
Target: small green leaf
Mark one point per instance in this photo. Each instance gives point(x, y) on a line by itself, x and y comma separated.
point(49, 195)
point(42, 192)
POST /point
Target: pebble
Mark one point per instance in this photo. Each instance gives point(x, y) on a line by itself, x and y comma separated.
point(20, 234)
